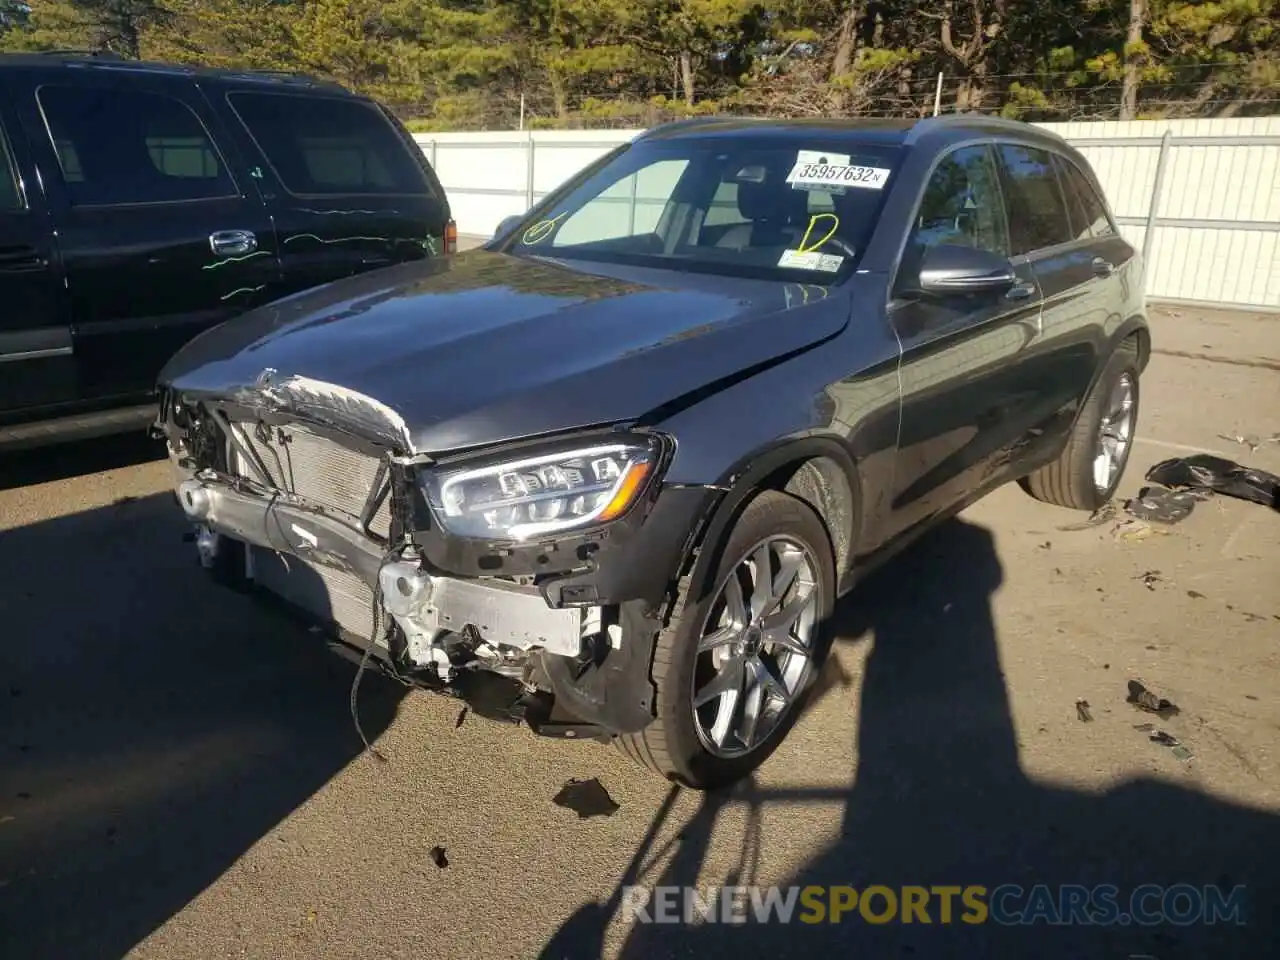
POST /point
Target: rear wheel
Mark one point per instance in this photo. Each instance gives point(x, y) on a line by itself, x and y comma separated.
point(1092, 465)
point(745, 644)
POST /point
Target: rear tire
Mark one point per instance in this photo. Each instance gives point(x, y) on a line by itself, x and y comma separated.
point(680, 744)
point(1074, 480)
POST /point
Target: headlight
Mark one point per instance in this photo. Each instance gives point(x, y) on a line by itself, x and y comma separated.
point(529, 497)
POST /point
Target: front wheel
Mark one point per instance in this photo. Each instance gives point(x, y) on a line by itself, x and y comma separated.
point(1091, 466)
point(744, 646)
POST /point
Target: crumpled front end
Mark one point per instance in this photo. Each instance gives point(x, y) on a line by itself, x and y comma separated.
point(313, 494)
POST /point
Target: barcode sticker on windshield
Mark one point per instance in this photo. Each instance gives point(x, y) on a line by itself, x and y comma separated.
point(811, 260)
point(809, 174)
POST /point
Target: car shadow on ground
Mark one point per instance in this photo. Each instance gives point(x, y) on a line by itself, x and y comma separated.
point(153, 727)
point(939, 798)
point(24, 468)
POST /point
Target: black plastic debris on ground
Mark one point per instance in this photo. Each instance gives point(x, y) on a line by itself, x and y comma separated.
point(586, 798)
point(1172, 742)
point(1150, 578)
point(462, 716)
point(1082, 711)
point(1144, 699)
point(437, 857)
point(1157, 504)
point(1219, 475)
point(1104, 514)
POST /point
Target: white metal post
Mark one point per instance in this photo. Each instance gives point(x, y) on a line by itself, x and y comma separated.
point(937, 96)
point(1157, 187)
point(529, 182)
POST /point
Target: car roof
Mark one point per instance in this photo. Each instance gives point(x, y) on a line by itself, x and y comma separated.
point(92, 61)
point(937, 131)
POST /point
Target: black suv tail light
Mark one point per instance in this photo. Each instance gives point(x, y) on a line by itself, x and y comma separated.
point(451, 237)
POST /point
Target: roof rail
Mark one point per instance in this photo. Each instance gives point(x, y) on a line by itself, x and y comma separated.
point(685, 123)
point(284, 76)
point(71, 52)
point(972, 117)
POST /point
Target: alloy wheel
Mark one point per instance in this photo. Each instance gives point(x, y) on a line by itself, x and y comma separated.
point(1115, 434)
point(756, 652)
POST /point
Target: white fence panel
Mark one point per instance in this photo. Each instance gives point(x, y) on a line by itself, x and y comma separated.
point(1211, 235)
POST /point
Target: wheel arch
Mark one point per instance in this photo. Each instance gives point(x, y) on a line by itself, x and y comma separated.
point(816, 470)
point(1134, 330)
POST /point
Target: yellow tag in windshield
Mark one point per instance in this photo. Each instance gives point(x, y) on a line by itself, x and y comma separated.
point(813, 222)
point(541, 230)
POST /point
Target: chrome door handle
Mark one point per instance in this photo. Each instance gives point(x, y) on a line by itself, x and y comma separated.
point(1102, 268)
point(232, 242)
point(1022, 291)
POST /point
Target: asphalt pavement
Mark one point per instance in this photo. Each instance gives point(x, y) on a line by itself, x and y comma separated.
point(179, 776)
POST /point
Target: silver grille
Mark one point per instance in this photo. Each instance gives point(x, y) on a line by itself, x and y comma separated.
point(319, 470)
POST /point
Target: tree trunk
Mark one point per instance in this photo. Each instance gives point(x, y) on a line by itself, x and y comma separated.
point(686, 76)
point(846, 42)
point(558, 95)
point(1132, 59)
point(842, 63)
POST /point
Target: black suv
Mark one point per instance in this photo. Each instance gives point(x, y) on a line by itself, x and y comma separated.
point(628, 455)
point(142, 203)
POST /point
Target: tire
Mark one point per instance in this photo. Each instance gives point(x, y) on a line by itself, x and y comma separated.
point(1070, 480)
point(672, 744)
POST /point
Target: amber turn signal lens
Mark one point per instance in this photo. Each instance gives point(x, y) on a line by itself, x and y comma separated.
point(451, 237)
point(627, 490)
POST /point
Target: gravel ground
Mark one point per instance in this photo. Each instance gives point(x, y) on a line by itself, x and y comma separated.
point(179, 776)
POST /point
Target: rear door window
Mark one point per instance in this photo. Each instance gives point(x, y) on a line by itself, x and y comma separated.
point(1037, 209)
point(117, 146)
point(325, 146)
point(1088, 212)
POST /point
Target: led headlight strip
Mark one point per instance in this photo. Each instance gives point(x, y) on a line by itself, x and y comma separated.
point(534, 496)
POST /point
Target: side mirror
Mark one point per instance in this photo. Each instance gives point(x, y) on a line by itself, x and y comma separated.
point(949, 270)
point(507, 223)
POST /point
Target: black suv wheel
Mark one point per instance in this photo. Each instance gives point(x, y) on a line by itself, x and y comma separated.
point(1090, 468)
point(747, 640)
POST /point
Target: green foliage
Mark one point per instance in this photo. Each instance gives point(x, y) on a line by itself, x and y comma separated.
point(456, 64)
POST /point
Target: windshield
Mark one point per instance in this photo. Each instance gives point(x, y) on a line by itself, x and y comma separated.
point(782, 209)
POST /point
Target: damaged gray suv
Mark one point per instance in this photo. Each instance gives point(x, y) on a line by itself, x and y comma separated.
point(610, 473)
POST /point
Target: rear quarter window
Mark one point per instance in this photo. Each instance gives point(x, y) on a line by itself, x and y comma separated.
point(326, 146)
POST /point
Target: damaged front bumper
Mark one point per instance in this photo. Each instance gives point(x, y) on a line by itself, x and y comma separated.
point(571, 618)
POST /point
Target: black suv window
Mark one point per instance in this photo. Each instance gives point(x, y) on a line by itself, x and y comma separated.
point(1037, 212)
point(961, 205)
point(326, 145)
point(10, 198)
point(1088, 212)
point(131, 146)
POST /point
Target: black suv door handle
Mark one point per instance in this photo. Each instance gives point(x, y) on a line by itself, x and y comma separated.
point(1021, 291)
point(21, 259)
point(1102, 268)
point(230, 243)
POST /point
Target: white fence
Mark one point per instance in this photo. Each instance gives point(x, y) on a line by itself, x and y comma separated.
point(1200, 198)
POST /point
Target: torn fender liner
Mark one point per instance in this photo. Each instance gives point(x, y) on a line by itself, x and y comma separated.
point(328, 403)
point(615, 691)
point(1206, 472)
point(1162, 505)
